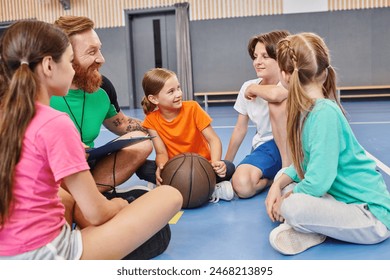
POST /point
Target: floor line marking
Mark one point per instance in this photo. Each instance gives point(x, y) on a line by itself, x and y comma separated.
point(216, 126)
point(380, 164)
point(176, 218)
point(382, 122)
point(232, 126)
point(228, 126)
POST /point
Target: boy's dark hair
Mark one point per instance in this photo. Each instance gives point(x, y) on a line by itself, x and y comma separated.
point(270, 40)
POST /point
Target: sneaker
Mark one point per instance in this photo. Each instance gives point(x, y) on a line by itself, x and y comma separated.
point(288, 241)
point(129, 193)
point(223, 190)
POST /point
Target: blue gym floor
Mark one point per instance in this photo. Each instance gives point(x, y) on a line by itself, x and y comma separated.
point(238, 230)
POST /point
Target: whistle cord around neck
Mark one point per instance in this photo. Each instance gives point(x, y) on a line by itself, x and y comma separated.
point(79, 126)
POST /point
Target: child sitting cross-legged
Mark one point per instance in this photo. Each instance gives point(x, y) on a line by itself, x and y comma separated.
point(178, 127)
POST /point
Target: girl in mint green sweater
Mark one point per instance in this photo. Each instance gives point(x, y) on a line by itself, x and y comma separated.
point(332, 188)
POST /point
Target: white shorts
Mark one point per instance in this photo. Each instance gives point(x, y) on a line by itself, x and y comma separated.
point(66, 246)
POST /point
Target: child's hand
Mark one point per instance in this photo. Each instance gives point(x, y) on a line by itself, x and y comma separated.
point(248, 94)
point(159, 180)
point(276, 209)
point(274, 195)
point(119, 202)
point(219, 168)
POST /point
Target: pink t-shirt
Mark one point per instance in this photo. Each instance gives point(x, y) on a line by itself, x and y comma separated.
point(51, 151)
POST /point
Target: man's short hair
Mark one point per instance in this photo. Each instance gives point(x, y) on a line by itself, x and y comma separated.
point(73, 25)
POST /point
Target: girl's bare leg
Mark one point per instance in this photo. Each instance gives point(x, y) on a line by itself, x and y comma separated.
point(132, 226)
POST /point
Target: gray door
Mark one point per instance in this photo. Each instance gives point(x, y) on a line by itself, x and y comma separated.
point(153, 41)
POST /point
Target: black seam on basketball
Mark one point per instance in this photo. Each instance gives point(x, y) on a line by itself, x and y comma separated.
point(182, 162)
point(198, 173)
point(192, 179)
point(183, 159)
point(208, 179)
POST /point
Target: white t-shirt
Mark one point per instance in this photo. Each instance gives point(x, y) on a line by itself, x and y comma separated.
point(258, 113)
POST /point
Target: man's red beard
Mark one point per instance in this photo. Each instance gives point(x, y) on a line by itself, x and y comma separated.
point(87, 79)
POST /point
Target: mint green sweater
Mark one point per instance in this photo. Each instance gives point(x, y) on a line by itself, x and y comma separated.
point(335, 163)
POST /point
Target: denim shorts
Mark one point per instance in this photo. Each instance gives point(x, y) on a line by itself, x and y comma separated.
point(66, 246)
point(266, 157)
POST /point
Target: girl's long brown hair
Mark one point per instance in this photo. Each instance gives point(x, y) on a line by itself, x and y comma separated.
point(306, 58)
point(22, 48)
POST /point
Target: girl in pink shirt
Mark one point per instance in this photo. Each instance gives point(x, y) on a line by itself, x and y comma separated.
point(40, 148)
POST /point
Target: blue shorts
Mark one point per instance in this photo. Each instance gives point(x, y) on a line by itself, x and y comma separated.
point(267, 158)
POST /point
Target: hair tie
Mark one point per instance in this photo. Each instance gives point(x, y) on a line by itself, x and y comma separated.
point(24, 62)
point(296, 69)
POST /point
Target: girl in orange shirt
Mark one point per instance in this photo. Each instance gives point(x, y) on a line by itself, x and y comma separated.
point(178, 127)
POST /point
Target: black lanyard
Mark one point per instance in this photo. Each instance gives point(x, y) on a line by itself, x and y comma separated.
point(79, 126)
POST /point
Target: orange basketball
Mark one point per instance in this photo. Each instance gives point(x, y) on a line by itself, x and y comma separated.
point(193, 176)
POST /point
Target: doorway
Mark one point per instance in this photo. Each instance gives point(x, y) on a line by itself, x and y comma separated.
point(152, 43)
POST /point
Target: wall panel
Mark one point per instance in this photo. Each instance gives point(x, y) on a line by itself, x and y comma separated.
point(109, 13)
point(356, 32)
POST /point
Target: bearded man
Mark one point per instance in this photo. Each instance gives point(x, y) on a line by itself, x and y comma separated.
point(89, 106)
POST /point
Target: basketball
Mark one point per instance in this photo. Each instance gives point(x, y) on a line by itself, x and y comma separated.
point(193, 176)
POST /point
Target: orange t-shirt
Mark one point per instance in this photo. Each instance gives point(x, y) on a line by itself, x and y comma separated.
point(184, 133)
